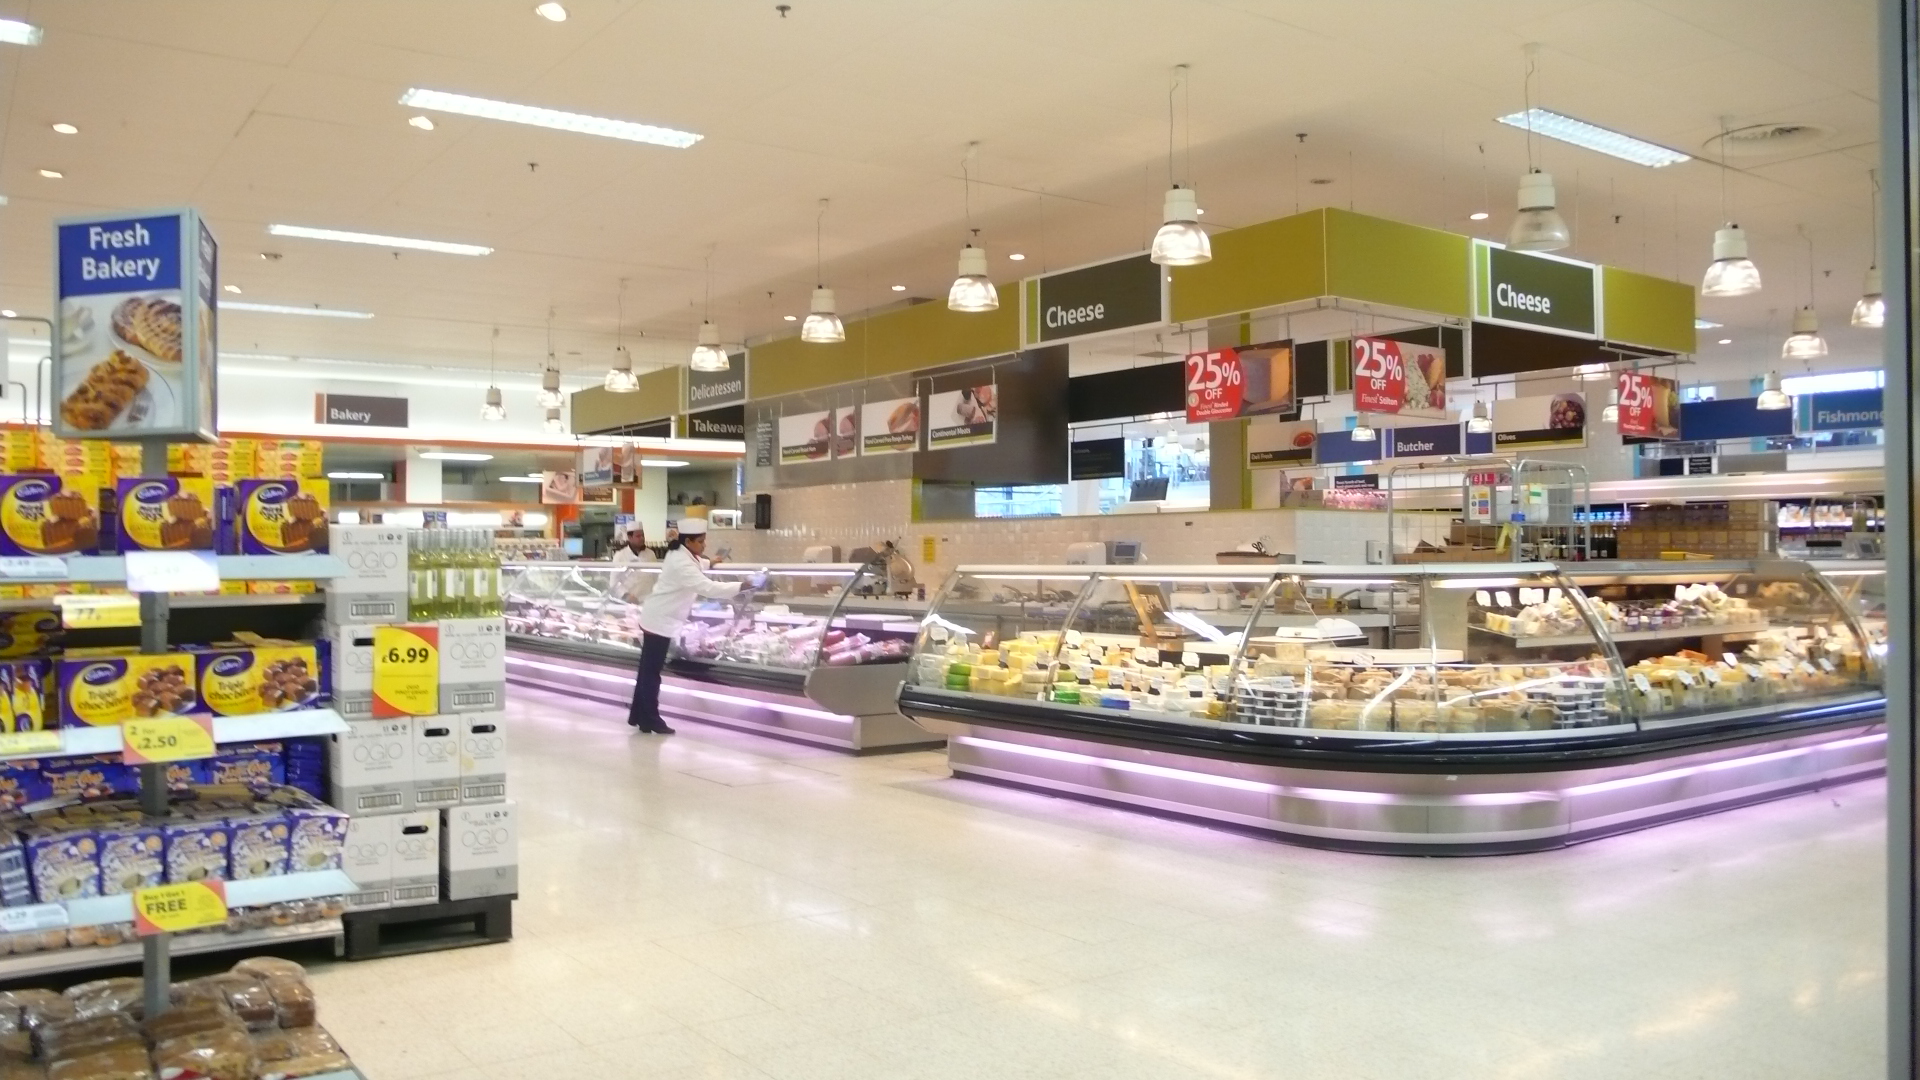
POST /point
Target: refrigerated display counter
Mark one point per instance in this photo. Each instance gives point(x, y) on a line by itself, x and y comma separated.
point(1862, 587)
point(811, 652)
point(1514, 707)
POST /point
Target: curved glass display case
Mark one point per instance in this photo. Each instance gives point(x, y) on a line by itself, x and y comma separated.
point(1514, 682)
point(808, 651)
point(1862, 586)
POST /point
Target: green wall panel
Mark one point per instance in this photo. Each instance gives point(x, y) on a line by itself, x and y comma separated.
point(1399, 265)
point(1639, 309)
point(1275, 262)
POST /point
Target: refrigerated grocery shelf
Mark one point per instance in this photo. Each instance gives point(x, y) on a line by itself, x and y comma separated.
point(261, 727)
point(87, 957)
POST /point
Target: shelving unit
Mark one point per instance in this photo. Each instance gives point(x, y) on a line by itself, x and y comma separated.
point(80, 958)
point(1539, 641)
point(262, 727)
point(102, 910)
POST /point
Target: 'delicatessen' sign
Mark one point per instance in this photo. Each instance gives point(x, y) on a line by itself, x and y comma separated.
point(714, 389)
point(358, 410)
point(1536, 291)
point(1095, 299)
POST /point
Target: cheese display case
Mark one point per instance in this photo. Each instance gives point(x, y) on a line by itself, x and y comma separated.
point(1503, 706)
point(1862, 586)
point(813, 652)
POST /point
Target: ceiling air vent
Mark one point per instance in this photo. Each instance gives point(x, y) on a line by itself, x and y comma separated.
point(1766, 140)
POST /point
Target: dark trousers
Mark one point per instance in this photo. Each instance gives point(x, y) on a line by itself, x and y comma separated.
point(644, 713)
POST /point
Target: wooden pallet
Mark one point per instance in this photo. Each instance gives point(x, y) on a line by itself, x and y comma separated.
point(450, 924)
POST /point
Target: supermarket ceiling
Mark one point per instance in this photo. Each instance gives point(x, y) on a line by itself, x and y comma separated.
point(288, 112)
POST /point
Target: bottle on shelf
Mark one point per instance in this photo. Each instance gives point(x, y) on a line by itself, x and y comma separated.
point(453, 586)
point(422, 583)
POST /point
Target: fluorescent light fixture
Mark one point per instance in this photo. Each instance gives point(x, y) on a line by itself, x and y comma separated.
point(454, 455)
point(1594, 137)
point(308, 233)
point(17, 32)
point(53, 174)
point(1705, 324)
point(356, 476)
point(441, 101)
point(66, 129)
point(519, 479)
point(1833, 381)
point(285, 309)
point(663, 463)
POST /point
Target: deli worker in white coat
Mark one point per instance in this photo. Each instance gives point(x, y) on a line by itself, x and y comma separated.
point(682, 580)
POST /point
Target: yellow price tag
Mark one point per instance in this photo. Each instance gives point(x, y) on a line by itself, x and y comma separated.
point(21, 743)
point(929, 549)
point(170, 909)
point(91, 612)
point(406, 670)
point(151, 740)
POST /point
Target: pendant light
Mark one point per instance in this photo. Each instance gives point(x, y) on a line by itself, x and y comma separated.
point(1772, 398)
point(1481, 422)
point(1361, 432)
point(549, 396)
point(620, 377)
point(972, 289)
point(1805, 343)
point(708, 353)
point(1181, 241)
point(1538, 226)
point(1611, 414)
point(1870, 311)
point(823, 326)
point(1731, 273)
point(495, 408)
point(553, 424)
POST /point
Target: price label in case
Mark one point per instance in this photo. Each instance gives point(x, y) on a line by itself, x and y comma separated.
point(406, 670)
point(1685, 677)
point(1641, 681)
point(171, 909)
point(39, 567)
point(16, 920)
point(1731, 660)
point(28, 743)
point(94, 611)
point(172, 571)
point(1826, 664)
point(1712, 674)
point(152, 740)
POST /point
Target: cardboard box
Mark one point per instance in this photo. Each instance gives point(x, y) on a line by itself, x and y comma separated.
point(349, 652)
point(374, 589)
point(479, 852)
point(170, 514)
point(436, 761)
point(105, 690)
point(48, 515)
point(483, 757)
point(473, 664)
point(416, 858)
point(241, 679)
point(281, 517)
point(370, 767)
point(368, 860)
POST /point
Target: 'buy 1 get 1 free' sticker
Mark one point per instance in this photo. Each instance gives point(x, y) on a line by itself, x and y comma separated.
point(171, 909)
point(406, 670)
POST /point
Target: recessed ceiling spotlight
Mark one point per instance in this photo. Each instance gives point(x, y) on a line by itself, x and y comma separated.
point(424, 123)
point(1705, 324)
point(791, 318)
point(53, 174)
point(16, 32)
point(453, 455)
point(66, 129)
point(1199, 211)
point(1726, 341)
point(465, 105)
point(377, 240)
point(8, 313)
point(1478, 215)
point(235, 289)
point(1017, 257)
point(551, 12)
point(1321, 181)
point(899, 288)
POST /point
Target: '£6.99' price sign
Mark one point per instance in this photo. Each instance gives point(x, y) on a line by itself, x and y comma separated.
point(1215, 385)
point(406, 670)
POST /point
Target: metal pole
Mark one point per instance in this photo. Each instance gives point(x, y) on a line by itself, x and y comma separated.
point(1899, 99)
point(157, 970)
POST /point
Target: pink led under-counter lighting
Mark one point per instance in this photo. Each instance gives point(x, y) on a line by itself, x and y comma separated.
point(685, 691)
point(1729, 763)
point(1186, 775)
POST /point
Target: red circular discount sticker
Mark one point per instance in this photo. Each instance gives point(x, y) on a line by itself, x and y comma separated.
point(406, 670)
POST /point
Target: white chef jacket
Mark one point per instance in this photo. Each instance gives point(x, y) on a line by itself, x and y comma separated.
point(682, 579)
point(632, 585)
point(625, 554)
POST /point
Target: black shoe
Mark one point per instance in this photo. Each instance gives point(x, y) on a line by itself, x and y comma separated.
point(661, 729)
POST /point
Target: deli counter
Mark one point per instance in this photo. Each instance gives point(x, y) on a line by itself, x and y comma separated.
point(810, 652)
point(1476, 708)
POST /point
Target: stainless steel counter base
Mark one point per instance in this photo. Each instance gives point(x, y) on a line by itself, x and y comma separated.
point(781, 714)
point(1419, 813)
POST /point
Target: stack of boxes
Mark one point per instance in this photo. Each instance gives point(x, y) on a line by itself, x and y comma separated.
point(428, 794)
point(1741, 529)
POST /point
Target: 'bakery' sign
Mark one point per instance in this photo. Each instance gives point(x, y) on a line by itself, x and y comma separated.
point(357, 410)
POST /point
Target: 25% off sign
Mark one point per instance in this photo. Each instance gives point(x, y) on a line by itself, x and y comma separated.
point(406, 670)
point(1215, 385)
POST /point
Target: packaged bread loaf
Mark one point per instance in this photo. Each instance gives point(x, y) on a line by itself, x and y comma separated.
point(22, 1070)
point(293, 1000)
point(71, 1038)
point(104, 996)
point(261, 967)
point(123, 1061)
point(298, 1052)
point(221, 1053)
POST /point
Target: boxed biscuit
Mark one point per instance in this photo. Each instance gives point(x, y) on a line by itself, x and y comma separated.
point(281, 517)
point(416, 858)
point(253, 765)
point(21, 783)
point(243, 678)
point(86, 778)
point(259, 846)
point(48, 515)
point(130, 857)
point(171, 514)
point(436, 761)
point(23, 695)
point(479, 852)
point(196, 848)
point(483, 757)
point(105, 690)
point(473, 664)
point(64, 863)
point(318, 837)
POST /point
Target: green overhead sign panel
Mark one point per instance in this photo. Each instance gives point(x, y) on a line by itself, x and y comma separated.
point(1097, 299)
point(1539, 292)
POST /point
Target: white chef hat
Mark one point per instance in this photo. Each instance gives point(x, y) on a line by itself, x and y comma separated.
point(693, 527)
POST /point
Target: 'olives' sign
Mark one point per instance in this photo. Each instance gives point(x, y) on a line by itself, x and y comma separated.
point(1095, 299)
point(1539, 291)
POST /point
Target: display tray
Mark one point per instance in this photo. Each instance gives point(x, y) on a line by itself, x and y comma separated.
point(1395, 752)
point(88, 958)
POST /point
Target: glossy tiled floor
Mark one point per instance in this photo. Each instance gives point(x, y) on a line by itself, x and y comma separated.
point(717, 905)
